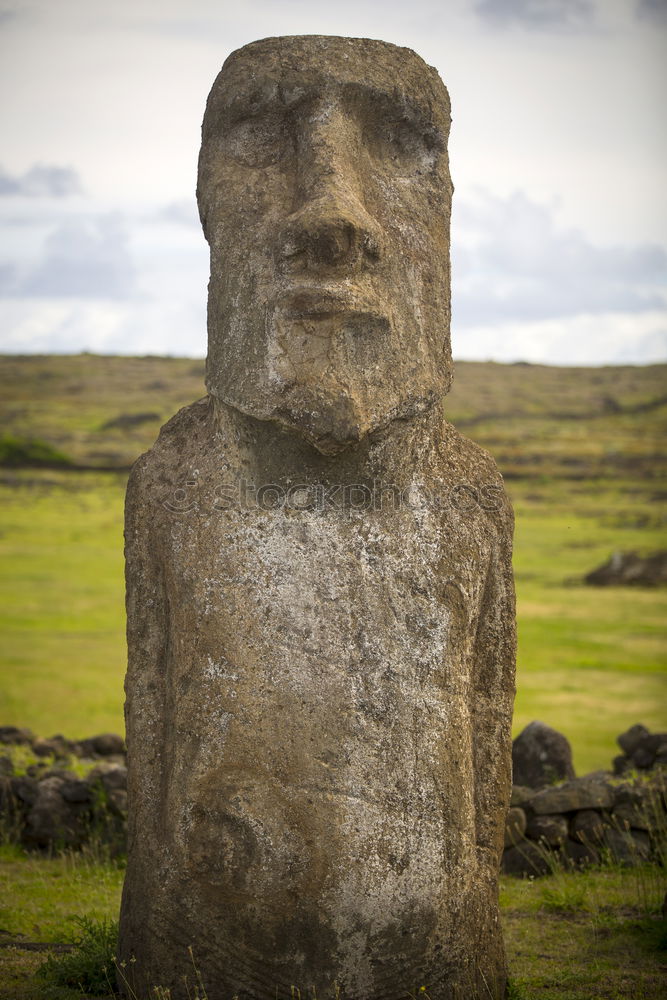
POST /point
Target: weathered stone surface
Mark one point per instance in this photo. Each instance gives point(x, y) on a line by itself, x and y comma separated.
point(55, 746)
point(621, 764)
point(574, 854)
point(579, 794)
point(631, 569)
point(521, 795)
point(23, 788)
point(588, 826)
point(515, 826)
point(16, 735)
point(51, 820)
point(320, 600)
point(629, 740)
point(75, 790)
point(626, 816)
point(104, 745)
point(551, 830)
point(541, 756)
point(526, 859)
point(639, 805)
point(626, 847)
point(648, 746)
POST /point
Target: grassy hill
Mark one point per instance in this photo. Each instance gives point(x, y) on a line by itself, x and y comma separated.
point(582, 451)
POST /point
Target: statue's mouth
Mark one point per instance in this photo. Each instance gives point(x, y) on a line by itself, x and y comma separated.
point(327, 300)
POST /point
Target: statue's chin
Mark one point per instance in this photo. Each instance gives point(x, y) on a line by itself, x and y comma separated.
point(331, 418)
point(330, 425)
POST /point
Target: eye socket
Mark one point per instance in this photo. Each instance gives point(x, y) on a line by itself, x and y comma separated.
point(399, 135)
point(257, 141)
point(405, 143)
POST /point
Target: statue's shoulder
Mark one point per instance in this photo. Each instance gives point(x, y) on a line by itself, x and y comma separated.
point(466, 456)
point(182, 441)
point(471, 471)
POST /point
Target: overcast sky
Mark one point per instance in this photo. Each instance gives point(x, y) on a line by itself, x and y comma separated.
point(558, 154)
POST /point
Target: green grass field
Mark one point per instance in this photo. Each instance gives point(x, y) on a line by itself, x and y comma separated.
point(580, 449)
point(569, 936)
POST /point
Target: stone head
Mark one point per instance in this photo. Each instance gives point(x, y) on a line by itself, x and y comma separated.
point(325, 196)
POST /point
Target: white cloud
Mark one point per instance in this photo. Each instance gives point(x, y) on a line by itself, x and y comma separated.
point(41, 181)
point(67, 326)
point(512, 263)
point(83, 258)
point(652, 10)
point(539, 14)
point(601, 339)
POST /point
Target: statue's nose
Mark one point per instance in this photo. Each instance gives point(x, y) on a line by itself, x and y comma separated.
point(331, 225)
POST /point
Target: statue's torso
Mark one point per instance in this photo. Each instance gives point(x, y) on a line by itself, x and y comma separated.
point(317, 703)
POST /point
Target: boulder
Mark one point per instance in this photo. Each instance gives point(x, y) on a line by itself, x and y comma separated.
point(576, 855)
point(527, 860)
point(103, 745)
point(628, 848)
point(515, 826)
point(648, 746)
point(541, 756)
point(12, 735)
point(51, 820)
point(587, 826)
point(550, 830)
point(54, 746)
point(521, 795)
point(629, 740)
point(630, 569)
point(581, 793)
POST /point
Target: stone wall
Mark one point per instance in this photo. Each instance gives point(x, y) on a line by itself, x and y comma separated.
point(74, 793)
point(69, 794)
point(556, 818)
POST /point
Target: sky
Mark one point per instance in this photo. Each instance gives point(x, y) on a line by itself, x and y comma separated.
point(558, 154)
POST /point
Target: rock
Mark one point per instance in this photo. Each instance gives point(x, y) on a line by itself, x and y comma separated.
point(587, 826)
point(55, 746)
point(16, 736)
point(627, 816)
point(541, 756)
point(550, 830)
point(113, 777)
point(521, 795)
point(629, 740)
point(50, 821)
point(578, 855)
point(646, 749)
point(75, 790)
point(578, 794)
point(6, 766)
point(37, 770)
point(104, 745)
point(118, 801)
point(8, 798)
point(627, 848)
point(527, 860)
point(108, 744)
point(639, 805)
point(621, 764)
point(24, 789)
point(320, 666)
point(631, 569)
point(515, 826)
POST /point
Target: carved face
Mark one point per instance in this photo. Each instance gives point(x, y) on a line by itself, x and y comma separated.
point(325, 196)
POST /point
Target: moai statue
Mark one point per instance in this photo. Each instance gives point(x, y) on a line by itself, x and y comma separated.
point(320, 598)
